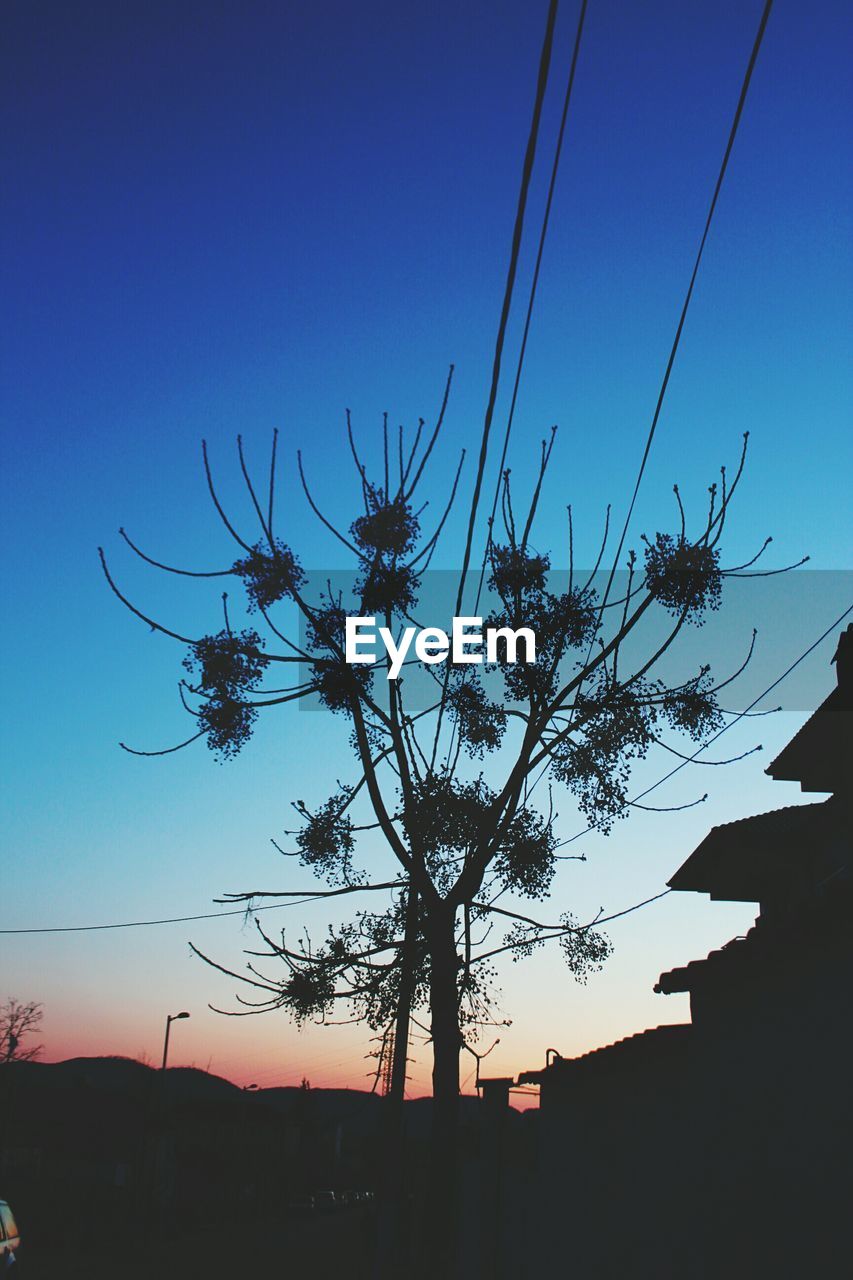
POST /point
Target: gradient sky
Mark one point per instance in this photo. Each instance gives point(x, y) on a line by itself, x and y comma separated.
point(221, 218)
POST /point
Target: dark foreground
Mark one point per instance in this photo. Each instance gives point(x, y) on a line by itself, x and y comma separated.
point(336, 1245)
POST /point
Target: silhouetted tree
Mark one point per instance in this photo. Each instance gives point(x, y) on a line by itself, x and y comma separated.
point(19, 1019)
point(579, 715)
point(583, 712)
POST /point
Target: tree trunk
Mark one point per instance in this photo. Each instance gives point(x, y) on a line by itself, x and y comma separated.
point(393, 1234)
point(441, 1199)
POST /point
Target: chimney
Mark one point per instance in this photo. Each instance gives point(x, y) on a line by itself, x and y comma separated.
point(843, 658)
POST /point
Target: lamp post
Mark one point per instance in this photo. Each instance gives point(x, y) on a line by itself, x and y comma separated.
point(170, 1018)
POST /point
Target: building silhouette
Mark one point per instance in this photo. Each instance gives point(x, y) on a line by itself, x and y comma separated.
point(722, 1147)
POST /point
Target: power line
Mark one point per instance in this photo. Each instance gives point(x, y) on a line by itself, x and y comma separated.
point(526, 173)
point(548, 933)
point(297, 902)
point(677, 339)
point(542, 236)
point(527, 170)
point(671, 361)
point(144, 924)
point(689, 760)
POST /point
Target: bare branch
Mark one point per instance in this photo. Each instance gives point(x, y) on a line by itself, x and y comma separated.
point(318, 513)
point(155, 626)
point(312, 894)
point(217, 503)
point(433, 437)
point(184, 573)
point(272, 482)
point(558, 931)
point(264, 526)
point(167, 751)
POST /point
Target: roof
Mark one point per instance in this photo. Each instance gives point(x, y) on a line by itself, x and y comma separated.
point(646, 1046)
point(744, 861)
point(820, 756)
point(766, 946)
point(724, 960)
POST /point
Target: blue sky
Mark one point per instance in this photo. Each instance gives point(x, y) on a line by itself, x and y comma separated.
point(222, 218)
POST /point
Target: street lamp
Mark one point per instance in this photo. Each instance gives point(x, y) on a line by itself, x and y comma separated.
point(170, 1018)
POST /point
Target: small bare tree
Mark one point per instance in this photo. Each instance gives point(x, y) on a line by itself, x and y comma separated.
point(19, 1019)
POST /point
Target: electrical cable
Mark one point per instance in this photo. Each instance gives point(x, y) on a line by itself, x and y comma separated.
point(533, 287)
point(677, 339)
point(740, 716)
point(215, 915)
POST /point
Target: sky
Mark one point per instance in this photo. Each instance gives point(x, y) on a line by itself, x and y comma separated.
point(222, 219)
